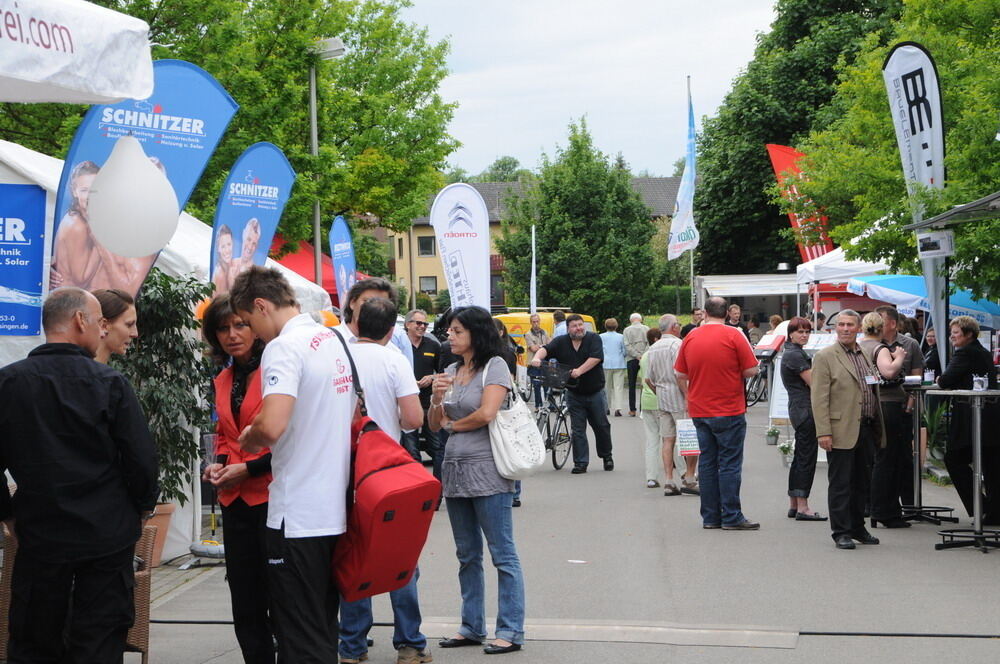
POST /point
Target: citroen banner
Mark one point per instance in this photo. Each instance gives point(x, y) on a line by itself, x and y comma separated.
point(462, 226)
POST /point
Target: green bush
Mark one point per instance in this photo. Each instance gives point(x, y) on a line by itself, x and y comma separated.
point(425, 302)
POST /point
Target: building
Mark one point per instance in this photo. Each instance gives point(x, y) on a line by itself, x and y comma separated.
point(413, 255)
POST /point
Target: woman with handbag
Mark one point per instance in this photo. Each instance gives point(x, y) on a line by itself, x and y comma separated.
point(464, 402)
point(241, 478)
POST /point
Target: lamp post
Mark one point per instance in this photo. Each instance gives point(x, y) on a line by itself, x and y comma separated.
point(325, 49)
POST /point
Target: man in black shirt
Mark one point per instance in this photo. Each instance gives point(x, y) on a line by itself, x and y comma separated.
point(77, 445)
point(426, 350)
point(697, 315)
point(584, 352)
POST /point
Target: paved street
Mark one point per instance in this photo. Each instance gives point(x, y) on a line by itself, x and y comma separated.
point(653, 586)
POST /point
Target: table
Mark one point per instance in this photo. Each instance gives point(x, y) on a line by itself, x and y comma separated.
point(918, 511)
point(954, 538)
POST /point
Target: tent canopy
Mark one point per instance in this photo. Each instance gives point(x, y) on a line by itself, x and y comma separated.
point(302, 261)
point(909, 293)
point(742, 285)
point(834, 267)
point(73, 51)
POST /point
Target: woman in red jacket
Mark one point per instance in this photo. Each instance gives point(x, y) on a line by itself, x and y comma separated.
point(240, 478)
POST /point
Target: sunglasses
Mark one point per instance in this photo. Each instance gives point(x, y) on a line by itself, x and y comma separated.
point(420, 323)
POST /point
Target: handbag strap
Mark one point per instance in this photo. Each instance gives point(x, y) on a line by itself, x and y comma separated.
point(358, 391)
point(510, 390)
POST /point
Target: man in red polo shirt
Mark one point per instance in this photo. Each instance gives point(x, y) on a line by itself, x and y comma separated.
point(713, 361)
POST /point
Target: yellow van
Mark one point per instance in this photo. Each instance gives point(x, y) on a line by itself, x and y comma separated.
point(520, 322)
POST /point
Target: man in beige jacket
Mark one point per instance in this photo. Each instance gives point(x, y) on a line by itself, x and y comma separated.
point(848, 426)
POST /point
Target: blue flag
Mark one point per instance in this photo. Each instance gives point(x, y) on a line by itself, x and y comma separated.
point(342, 252)
point(22, 252)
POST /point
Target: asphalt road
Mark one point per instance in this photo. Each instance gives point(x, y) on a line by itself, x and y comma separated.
point(618, 572)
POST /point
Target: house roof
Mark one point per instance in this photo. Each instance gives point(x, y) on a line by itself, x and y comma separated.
point(659, 194)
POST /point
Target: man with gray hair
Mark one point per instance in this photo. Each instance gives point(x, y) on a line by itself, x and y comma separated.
point(844, 392)
point(635, 345)
point(672, 401)
point(77, 445)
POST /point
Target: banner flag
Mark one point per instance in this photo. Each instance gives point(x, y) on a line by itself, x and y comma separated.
point(533, 286)
point(22, 255)
point(345, 268)
point(461, 224)
point(911, 82)
point(179, 126)
point(683, 233)
point(785, 161)
point(249, 208)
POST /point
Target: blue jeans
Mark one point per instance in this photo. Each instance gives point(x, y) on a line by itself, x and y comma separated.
point(356, 621)
point(720, 468)
point(592, 408)
point(536, 385)
point(471, 518)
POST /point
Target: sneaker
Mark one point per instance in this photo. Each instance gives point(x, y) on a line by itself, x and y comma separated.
point(690, 488)
point(652, 484)
point(670, 489)
point(410, 655)
point(354, 660)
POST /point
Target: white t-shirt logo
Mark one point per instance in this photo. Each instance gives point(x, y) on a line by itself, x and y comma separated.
point(340, 366)
point(272, 380)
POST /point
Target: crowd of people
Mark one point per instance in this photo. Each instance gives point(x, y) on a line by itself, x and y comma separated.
point(79, 447)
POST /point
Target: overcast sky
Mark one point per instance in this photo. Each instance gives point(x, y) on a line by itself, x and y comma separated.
point(521, 70)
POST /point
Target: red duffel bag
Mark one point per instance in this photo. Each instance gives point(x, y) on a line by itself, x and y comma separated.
point(394, 502)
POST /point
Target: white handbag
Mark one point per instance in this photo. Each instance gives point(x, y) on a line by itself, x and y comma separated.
point(518, 448)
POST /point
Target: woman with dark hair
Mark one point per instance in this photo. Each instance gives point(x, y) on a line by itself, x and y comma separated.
point(464, 402)
point(241, 478)
point(118, 323)
point(796, 374)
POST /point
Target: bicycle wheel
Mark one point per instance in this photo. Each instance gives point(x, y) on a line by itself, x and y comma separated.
point(755, 389)
point(561, 442)
point(542, 418)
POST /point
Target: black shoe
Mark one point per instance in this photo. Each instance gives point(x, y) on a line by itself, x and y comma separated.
point(844, 542)
point(515, 503)
point(711, 526)
point(609, 464)
point(458, 643)
point(492, 649)
point(745, 525)
point(865, 537)
point(894, 522)
point(815, 516)
point(578, 470)
point(792, 512)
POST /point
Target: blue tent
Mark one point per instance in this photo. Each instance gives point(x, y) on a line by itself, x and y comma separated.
point(908, 293)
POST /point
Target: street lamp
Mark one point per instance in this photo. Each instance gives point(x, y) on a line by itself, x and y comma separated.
point(325, 49)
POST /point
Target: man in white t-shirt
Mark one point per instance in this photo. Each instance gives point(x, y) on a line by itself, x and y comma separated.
point(361, 292)
point(305, 419)
point(393, 401)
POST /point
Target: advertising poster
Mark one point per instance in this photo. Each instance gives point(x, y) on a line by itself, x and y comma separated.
point(179, 127)
point(342, 253)
point(462, 228)
point(248, 212)
point(22, 256)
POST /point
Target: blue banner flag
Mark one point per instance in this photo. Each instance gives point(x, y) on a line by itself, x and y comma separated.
point(683, 233)
point(342, 253)
point(22, 257)
point(248, 212)
point(179, 127)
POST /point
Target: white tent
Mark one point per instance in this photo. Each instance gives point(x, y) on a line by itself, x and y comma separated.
point(186, 254)
point(72, 51)
point(833, 267)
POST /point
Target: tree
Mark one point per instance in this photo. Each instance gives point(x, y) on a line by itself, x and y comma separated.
point(592, 235)
point(383, 125)
point(370, 255)
point(854, 171)
point(504, 169)
point(778, 99)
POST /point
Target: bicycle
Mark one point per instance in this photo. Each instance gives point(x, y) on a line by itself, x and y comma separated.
point(756, 387)
point(553, 417)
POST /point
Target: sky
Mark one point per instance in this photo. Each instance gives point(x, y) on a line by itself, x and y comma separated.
point(522, 70)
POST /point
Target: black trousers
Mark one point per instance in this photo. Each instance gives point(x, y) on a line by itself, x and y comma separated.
point(892, 474)
point(98, 595)
point(244, 529)
point(959, 464)
point(304, 599)
point(803, 468)
point(850, 479)
point(633, 374)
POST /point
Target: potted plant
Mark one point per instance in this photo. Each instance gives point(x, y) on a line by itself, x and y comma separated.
point(934, 422)
point(170, 375)
point(772, 435)
point(787, 450)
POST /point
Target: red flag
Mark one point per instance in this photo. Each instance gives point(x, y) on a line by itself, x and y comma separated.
point(785, 162)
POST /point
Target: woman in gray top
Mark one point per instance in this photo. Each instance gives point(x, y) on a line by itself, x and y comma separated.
point(464, 402)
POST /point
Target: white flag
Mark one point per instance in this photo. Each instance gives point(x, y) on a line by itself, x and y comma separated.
point(683, 233)
point(462, 226)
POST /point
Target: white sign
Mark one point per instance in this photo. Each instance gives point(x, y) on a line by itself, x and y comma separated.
point(462, 226)
point(936, 244)
point(687, 438)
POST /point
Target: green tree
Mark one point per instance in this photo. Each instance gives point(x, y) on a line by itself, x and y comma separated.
point(592, 236)
point(442, 301)
point(504, 169)
point(778, 99)
point(370, 255)
point(383, 125)
point(854, 171)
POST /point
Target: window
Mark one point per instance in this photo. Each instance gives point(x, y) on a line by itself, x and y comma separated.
point(425, 245)
point(399, 254)
point(429, 285)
